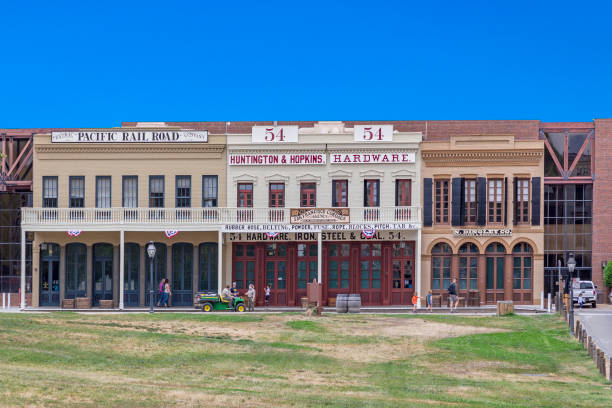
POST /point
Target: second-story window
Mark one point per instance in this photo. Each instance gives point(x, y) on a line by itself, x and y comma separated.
point(77, 192)
point(209, 191)
point(471, 204)
point(441, 201)
point(521, 203)
point(371, 193)
point(340, 193)
point(183, 191)
point(496, 200)
point(103, 192)
point(130, 192)
point(402, 193)
point(277, 195)
point(156, 191)
point(308, 195)
point(49, 191)
point(245, 195)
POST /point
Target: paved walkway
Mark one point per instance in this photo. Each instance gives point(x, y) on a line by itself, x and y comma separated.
point(598, 323)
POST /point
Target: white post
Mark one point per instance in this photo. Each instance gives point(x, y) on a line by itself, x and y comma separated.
point(4, 300)
point(319, 257)
point(23, 269)
point(220, 263)
point(549, 302)
point(417, 257)
point(121, 267)
point(9, 301)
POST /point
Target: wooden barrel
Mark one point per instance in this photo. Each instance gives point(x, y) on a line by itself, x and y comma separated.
point(354, 303)
point(342, 303)
point(304, 302)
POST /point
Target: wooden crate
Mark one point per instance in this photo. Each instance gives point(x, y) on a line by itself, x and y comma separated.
point(106, 304)
point(68, 304)
point(82, 303)
point(505, 307)
point(331, 302)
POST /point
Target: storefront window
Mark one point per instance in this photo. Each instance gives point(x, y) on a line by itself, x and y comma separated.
point(468, 266)
point(441, 266)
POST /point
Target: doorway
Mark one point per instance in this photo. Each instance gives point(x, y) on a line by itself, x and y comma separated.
point(102, 273)
point(49, 275)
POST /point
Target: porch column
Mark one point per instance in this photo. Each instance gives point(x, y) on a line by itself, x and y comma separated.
point(417, 261)
point(320, 257)
point(23, 269)
point(121, 267)
point(220, 262)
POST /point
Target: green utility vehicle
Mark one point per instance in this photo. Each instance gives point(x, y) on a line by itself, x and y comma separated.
point(211, 300)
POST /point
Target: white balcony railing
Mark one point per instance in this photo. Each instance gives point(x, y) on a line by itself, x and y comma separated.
point(75, 217)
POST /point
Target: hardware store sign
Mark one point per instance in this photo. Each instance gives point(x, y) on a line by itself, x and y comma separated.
point(148, 136)
point(318, 227)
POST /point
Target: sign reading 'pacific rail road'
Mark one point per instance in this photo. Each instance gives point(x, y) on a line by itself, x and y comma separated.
point(319, 215)
point(148, 136)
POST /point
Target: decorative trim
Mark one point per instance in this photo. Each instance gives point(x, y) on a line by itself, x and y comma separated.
point(403, 173)
point(245, 178)
point(468, 158)
point(308, 177)
point(340, 175)
point(372, 173)
point(276, 177)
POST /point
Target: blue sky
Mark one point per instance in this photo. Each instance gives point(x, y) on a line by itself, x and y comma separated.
point(88, 64)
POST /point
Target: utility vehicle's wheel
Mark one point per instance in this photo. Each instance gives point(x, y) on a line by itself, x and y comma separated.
point(208, 307)
point(241, 308)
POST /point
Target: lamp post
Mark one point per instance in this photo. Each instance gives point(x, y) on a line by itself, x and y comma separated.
point(559, 283)
point(151, 252)
point(571, 264)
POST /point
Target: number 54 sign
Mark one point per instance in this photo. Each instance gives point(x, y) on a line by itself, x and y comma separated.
point(373, 133)
point(274, 134)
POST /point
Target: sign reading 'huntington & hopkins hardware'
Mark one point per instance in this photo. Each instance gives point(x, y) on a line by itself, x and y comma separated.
point(149, 136)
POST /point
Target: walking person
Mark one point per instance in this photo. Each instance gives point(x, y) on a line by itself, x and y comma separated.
point(580, 300)
point(452, 295)
point(267, 296)
point(162, 282)
point(166, 294)
point(415, 300)
point(429, 300)
point(251, 298)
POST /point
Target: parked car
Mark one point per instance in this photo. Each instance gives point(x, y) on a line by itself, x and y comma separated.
point(589, 292)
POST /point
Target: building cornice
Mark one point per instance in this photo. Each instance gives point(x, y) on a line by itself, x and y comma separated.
point(135, 148)
point(471, 158)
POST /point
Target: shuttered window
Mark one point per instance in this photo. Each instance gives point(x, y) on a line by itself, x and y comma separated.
point(470, 206)
point(441, 202)
point(521, 204)
point(495, 200)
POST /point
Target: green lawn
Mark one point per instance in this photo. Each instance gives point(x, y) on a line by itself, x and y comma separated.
point(288, 360)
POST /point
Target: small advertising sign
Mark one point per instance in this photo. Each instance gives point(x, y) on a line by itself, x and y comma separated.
point(157, 136)
point(319, 216)
point(483, 232)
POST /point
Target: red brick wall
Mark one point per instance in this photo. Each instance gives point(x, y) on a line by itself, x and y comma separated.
point(602, 198)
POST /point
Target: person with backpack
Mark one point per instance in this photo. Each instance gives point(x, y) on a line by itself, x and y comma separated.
point(452, 295)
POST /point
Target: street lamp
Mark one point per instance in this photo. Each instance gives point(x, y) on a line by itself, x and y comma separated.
point(151, 252)
point(571, 264)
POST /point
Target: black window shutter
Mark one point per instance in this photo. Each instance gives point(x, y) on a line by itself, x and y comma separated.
point(334, 201)
point(396, 193)
point(535, 201)
point(365, 193)
point(427, 202)
point(514, 202)
point(481, 194)
point(505, 200)
point(457, 195)
point(377, 193)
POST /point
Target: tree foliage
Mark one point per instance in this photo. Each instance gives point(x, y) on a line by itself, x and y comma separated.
point(608, 275)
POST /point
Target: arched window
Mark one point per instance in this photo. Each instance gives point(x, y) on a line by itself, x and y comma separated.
point(495, 271)
point(468, 266)
point(522, 268)
point(441, 266)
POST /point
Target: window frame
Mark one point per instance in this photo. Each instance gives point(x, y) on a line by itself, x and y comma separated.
point(337, 193)
point(519, 210)
point(71, 188)
point(123, 190)
point(470, 208)
point(276, 195)
point(310, 189)
point(497, 206)
point(205, 189)
point(440, 217)
point(406, 189)
point(110, 191)
point(46, 189)
point(371, 189)
point(163, 193)
point(246, 200)
point(186, 203)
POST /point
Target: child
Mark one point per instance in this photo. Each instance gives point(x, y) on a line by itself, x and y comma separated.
point(415, 300)
point(580, 300)
point(429, 299)
point(267, 295)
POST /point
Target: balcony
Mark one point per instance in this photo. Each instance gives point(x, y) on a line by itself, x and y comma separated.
point(209, 218)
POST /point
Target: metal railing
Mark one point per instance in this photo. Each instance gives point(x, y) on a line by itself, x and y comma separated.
point(209, 215)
